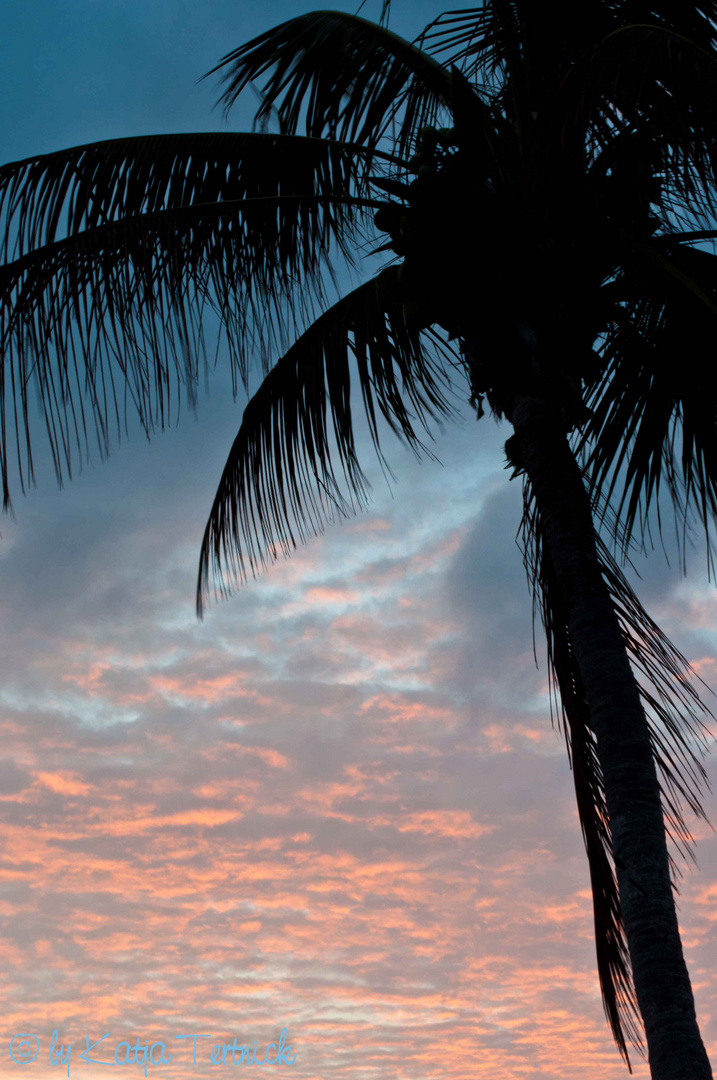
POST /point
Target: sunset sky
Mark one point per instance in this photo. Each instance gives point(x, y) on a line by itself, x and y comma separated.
point(337, 805)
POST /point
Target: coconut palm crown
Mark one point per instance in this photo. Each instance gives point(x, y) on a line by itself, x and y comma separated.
point(545, 177)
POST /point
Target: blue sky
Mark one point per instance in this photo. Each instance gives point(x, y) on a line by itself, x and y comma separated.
point(337, 805)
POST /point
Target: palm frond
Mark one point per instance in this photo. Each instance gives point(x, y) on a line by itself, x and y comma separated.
point(673, 709)
point(658, 390)
point(385, 13)
point(67, 192)
point(540, 42)
point(280, 484)
point(465, 33)
point(642, 74)
point(115, 250)
point(613, 962)
point(349, 76)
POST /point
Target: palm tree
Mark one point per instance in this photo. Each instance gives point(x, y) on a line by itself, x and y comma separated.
point(546, 233)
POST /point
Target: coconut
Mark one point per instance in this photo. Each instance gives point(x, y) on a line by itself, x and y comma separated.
point(428, 138)
point(447, 137)
point(386, 219)
point(387, 285)
point(416, 316)
point(404, 224)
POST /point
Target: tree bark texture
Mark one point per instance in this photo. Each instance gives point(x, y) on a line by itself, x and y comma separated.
point(662, 984)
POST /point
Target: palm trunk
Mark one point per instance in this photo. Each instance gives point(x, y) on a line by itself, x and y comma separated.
point(662, 984)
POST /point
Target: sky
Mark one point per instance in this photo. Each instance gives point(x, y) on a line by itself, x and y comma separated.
point(337, 805)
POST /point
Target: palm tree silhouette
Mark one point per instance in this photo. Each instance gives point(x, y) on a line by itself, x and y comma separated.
point(546, 233)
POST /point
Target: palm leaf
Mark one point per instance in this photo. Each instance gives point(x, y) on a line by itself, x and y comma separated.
point(590, 72)
point(613, 961)
point(637, 74)
point(658, 389)
point(673, 710)
point(69, 191)
point(465, 33)
point(350, 76)
point(115, 249)
point(279, 484)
